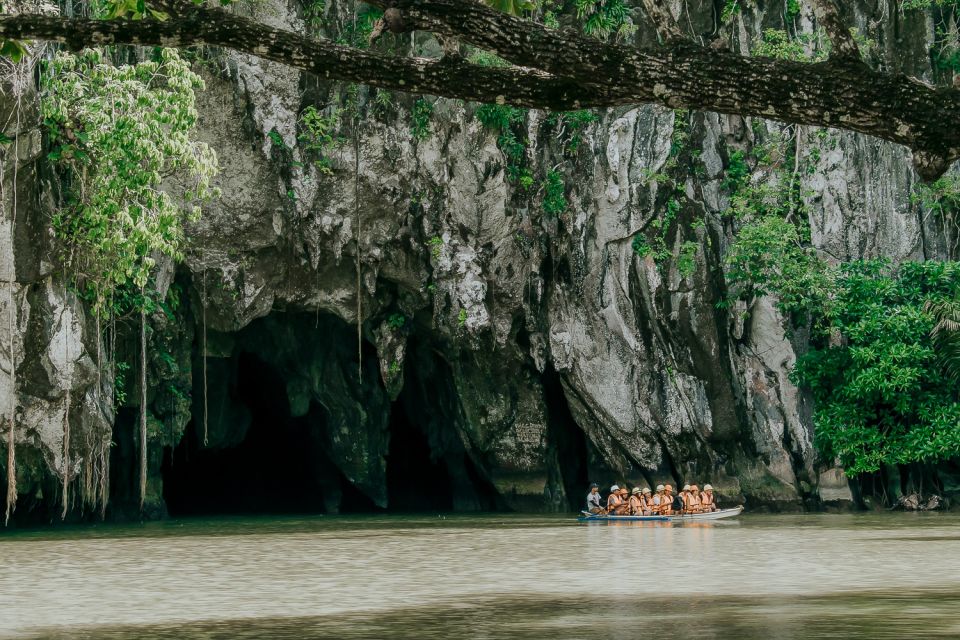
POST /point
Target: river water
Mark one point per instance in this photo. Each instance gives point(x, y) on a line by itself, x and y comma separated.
point(489, 576)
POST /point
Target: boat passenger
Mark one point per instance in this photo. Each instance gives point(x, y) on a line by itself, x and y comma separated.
point(667, 501)
point(624, 508)
point(636, 502)
point(614, 500)
point(693, 499)
point(677, 506)
point(684, 495)
point(646, 500)
point(593, 499)
point(658, 499)
point(707, 500)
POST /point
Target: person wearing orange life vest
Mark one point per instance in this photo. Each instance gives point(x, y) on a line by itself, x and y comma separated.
point(636, 502)
point(666, 502)
point(693, 499)
point(685, 497)
point(614, 501)
point(707, 500)
point(658, 499)
point(624, 508)
point(646, 500)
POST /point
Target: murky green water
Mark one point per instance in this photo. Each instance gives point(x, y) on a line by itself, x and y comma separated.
point(818, 576)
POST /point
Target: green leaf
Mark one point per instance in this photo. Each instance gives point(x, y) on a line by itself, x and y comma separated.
point(15, 50)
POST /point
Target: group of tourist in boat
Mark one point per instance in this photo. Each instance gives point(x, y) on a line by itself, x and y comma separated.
point(643, 502)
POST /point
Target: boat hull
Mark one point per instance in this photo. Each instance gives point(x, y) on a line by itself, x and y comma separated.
point(687, 517)
point(593, 517)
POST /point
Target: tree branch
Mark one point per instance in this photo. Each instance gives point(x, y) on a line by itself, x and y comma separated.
point(566, 70)
point(448, 78)
point(828, 15)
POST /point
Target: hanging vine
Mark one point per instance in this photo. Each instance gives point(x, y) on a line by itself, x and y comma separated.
point(66, 413)
point(204, 312)
point(143, 404)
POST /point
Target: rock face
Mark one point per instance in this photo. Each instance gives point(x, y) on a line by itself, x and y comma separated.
point(512, 354)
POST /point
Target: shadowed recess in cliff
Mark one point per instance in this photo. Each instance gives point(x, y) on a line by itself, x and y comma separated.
point(273, 469)
point(292, 430)
point(568, 439)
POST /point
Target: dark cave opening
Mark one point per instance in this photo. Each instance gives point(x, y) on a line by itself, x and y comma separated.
point(416, 481)
point(569, 439)
point(272, 470)
point(280, 463)
point(264, 460)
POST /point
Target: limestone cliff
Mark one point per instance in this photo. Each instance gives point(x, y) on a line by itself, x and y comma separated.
point(531, 352)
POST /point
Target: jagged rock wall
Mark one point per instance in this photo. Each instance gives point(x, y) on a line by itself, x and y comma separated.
point(664, 384)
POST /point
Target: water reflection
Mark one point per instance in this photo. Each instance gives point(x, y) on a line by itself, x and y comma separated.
point(486, 576)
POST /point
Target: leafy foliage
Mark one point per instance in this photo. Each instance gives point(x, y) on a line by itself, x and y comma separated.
point(554, 198)
point(776, 43)
point(769, 256)
point(882, 396)
point(14, 50)
point(883, 353)
point(570, 126)
point(605, 18)
point(946, 332)
point(318, 135)
point(507, 121)
point(420, 119)
point(119, 131)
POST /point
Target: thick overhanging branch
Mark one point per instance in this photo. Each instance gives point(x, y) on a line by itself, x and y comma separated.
point(562, 70)
point(449, 77)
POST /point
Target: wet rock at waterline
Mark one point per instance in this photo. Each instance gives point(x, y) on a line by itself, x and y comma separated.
point(506, 356)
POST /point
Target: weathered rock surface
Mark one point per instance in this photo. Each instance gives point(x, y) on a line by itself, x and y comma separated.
point(537, 352)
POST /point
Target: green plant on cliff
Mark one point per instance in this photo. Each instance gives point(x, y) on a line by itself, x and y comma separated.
point(117, 133)
point(656, 241)
point(554, 194)
point(881, 345)
point(507, 121)
point(605, 19)
point(420, 119)
point(319, 135)
point(570, 127)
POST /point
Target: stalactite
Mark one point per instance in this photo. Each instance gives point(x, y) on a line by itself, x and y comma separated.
point(143, 404)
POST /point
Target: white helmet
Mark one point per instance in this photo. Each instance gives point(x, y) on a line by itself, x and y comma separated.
point(708, 487)
point(614, 488)
point(659, 487)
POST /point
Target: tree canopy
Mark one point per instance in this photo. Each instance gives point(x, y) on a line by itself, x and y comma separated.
point(559, 69)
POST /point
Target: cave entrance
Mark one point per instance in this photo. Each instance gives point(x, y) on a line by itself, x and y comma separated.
point(569, 441)
point(416, 481)
point(278, 467)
